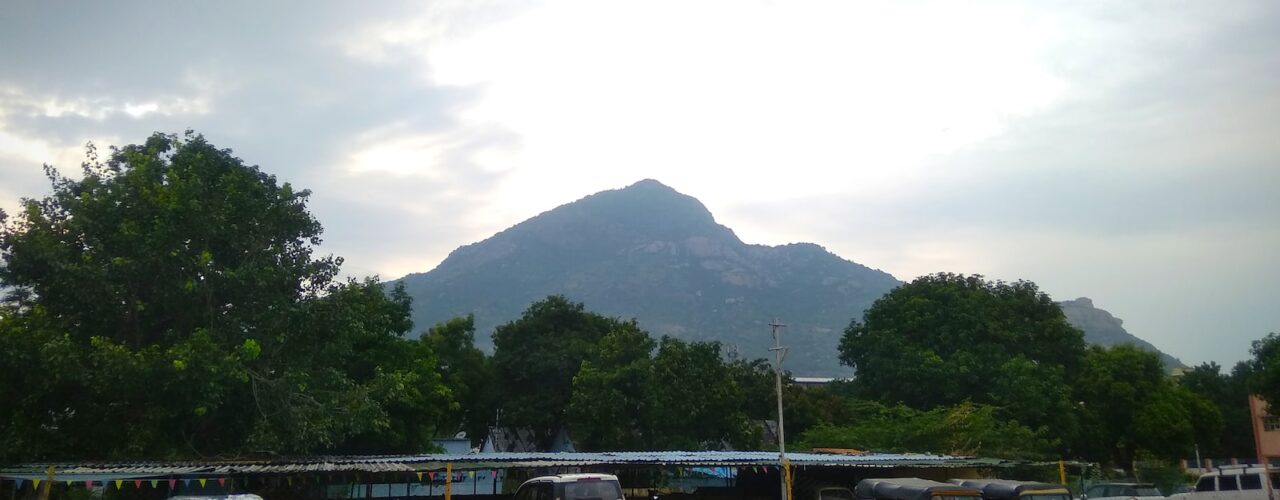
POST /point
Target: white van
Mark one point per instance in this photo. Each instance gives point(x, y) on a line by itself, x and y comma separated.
point(1231, 483)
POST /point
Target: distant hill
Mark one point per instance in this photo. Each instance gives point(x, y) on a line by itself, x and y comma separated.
point(1101, 328)
point(650, 253)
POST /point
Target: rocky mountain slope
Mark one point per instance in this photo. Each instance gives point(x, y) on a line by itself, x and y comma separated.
point(650, 253)
point(1101, 328)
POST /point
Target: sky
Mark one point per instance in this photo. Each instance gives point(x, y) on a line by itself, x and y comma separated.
point(1124, 151)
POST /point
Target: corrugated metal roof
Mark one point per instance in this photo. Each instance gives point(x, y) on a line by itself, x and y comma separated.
point(471, 461)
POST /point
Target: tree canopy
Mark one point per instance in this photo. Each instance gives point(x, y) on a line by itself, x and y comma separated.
point(1265, 380)
point(944, 339)
point(170, 298)
point(1131, 406)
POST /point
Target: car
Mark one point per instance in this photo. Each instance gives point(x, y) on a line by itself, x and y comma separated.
point(1122, 491)
point(571, 487)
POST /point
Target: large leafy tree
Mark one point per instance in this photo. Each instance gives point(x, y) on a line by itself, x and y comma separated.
point(1229, 392)
point(696, 404)
point(537, 357)
point(609, 406)
point(168, 303)
point(1132, 407)
point(468, 374)
point(1265, 380)
point(944, 339)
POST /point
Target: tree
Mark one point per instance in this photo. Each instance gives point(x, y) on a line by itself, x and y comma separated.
point(695, 403)
point(963, 429)
point(609, 405)
point(1230, 394)
point(468, 374)
point(1131, 406)
point(170, 299)
point(1265, 381)
point(944, 339)
point(537, 357)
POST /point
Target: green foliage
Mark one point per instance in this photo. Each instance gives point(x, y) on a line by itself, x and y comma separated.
point(614, 387)
point(695, 403)
point(170, 300)
point(468, 374)
point(1230, 394)
point(963, 429)
point(1131, 407)
point(537, 357)
point(944, 339)
point(1265, 380)
point(610, 402)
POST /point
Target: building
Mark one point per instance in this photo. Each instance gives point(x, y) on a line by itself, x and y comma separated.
point(1266, 431)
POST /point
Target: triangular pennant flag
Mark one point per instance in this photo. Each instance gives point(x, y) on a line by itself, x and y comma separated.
point(173, 483)
point(290, 479)
point(137, 483)
point(155, 483)
point(432, 475)
point(18, 483)
point(69, 482)
point(222, 481)
point(118, 483)
point(419, 474)
point(88, 484)
point(471, 473)
point(186, 482)
point(202, 481)
point(35, 484)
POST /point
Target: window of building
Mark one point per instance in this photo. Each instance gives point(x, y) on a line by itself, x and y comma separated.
point(1271, 423)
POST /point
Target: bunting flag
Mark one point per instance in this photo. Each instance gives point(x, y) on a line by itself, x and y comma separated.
point(186, 482)
point(69, 482)
point(88, 484)
point(419, 474)
point(155, 483)
point(472, 474)
point(202, 481)
point(18, 483)
point(118, 483)
point(173, 483)
point(137, 483)
point(495, 473)
point(35, 484)
point(222, 481)
point(289, 480)
point(432, 475)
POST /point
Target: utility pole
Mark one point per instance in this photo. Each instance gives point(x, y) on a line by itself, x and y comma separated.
point(780, 353)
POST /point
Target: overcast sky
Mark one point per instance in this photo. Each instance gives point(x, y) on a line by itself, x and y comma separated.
point(1124, 151)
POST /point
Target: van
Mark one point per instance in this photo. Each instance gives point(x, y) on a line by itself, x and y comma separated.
point(571, 487)
point(1231, 483)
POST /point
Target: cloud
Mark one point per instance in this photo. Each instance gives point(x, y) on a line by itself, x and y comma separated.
point(1123, 151)
point(380, 144)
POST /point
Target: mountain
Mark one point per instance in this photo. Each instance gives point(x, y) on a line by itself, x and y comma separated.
point(650, 253)
point(1101, 328)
